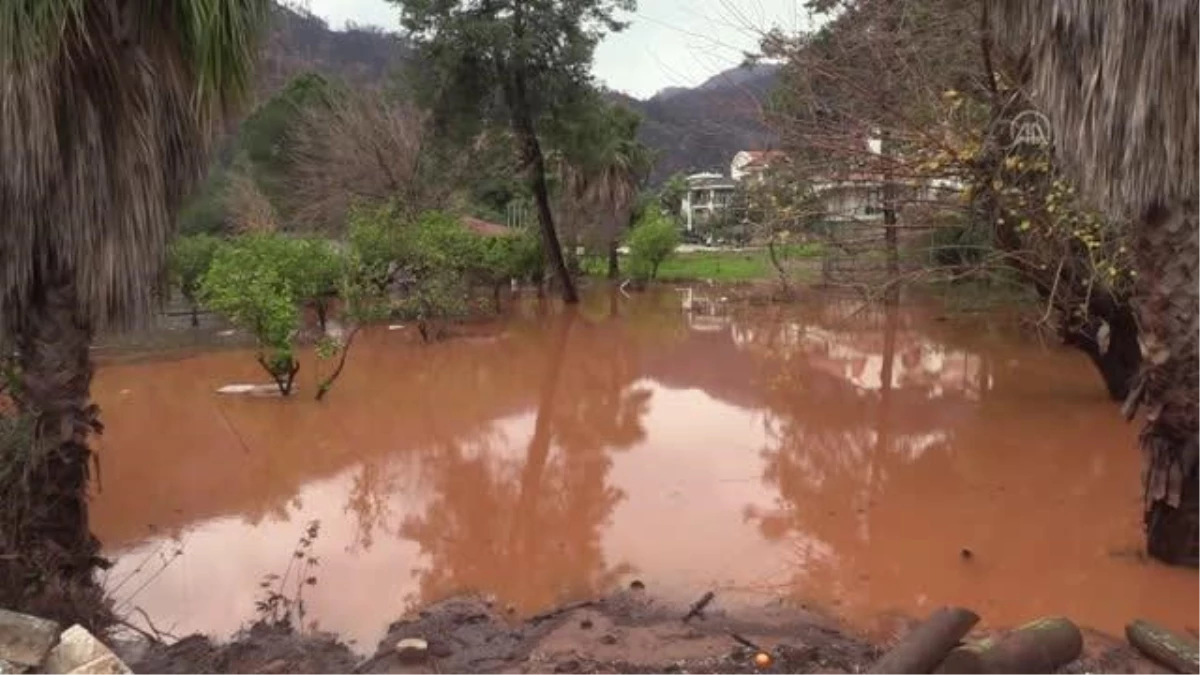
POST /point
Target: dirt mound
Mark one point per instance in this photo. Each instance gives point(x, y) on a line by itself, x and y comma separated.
point(628, 632)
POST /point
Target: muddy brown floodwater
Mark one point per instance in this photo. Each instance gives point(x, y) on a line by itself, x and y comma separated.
point(868, 462)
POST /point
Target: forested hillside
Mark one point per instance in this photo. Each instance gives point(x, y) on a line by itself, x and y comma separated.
point(689, 129)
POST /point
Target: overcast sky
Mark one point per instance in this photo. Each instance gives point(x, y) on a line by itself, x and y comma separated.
point(669, 43)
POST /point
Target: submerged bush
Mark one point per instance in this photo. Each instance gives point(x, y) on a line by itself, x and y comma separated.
point(248, 284)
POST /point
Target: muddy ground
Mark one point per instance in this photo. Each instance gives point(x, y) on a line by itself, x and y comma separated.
point(626, 632)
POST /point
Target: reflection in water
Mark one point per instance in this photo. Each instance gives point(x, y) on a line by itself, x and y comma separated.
point(831, 453)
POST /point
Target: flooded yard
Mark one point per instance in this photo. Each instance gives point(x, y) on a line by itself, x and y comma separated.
point(863, 461)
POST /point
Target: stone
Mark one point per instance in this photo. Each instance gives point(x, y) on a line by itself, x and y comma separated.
point(24, 639)
point(273, 667)
point(7, 668)
point(105, 665)
point(412, 650)
point(78, 651)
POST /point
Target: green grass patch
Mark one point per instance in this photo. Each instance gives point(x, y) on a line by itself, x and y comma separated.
point(745, 265)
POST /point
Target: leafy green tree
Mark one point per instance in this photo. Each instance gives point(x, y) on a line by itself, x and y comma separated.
point(248, 283)
point(205, 212)
point(315, 271)
point(106, 111)
point(191, 257)
point(652, 241)
point(266, 135)
point(526, 59)
point(670, 195)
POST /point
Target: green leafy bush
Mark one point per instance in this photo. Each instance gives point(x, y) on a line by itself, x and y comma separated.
point(247, 285)
point(191, 256)
point(653, 240)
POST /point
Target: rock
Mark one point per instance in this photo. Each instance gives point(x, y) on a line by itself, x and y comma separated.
point(105, 665)
point(608, 639)
point(412, 650)
point(24, 639)
point(78, 651)
point(7, 668)
point(276, 666)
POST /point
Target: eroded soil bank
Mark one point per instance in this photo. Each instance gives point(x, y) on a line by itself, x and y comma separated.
point(621, 633)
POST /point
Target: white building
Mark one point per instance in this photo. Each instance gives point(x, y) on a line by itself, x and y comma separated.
point(707, 194)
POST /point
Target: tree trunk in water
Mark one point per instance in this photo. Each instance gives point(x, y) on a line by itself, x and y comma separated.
point(1165, 250)
point(1110, 340)
point(614, 261)
point(522, 120)
point(52, 533)
point(890, 236)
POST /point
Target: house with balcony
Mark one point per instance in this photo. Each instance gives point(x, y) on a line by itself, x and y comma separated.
point(707, 197)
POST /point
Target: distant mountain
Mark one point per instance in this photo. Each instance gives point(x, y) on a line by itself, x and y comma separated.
point(700, 129)
point(696, 129)
point(299, 42)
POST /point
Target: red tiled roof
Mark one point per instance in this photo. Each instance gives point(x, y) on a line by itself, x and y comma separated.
point(763, 158)
point(486, 229)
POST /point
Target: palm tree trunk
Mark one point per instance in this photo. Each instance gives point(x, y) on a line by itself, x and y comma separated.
point(53, 344)
point(1166, 249)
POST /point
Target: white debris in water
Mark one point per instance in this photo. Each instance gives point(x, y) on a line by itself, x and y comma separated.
point(226, 333)
point(396, 326)
point(251, 389)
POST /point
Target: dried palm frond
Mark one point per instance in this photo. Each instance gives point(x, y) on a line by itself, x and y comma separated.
point(105, 113)
point(1118, 80)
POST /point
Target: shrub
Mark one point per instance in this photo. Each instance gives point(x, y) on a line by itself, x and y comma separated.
point(652, 241)
point(191, 256)
point(246, 284)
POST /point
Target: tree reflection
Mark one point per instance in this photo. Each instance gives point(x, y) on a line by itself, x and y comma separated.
point(526, 527)
point(857, 397)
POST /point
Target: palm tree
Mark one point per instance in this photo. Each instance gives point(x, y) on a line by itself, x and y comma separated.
point(1118, 81)
point(605, 180)
point(106, 113)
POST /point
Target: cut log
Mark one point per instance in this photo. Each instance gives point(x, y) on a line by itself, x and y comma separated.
point(1042, 646)
point(1177, 652)
point(926, 645)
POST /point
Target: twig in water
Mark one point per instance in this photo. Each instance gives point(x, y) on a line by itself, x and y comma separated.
point(538, 618)
point(746, 643)
point(155, 634)
point(698, 608)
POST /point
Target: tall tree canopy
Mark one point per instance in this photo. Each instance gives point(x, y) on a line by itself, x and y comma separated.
point(526, 61)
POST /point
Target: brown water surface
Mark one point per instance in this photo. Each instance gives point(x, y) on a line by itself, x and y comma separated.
point(826, 453)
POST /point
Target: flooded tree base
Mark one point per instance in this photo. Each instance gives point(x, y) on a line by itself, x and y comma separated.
point(627, 632)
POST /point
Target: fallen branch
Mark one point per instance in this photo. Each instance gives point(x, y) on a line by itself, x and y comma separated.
point(926, 645)
point(538, 618)
point(1042, 646)
point(745, 642)
point(698, 607)
point(1164, 646)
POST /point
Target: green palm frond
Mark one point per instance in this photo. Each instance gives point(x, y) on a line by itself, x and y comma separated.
point(106, 112)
